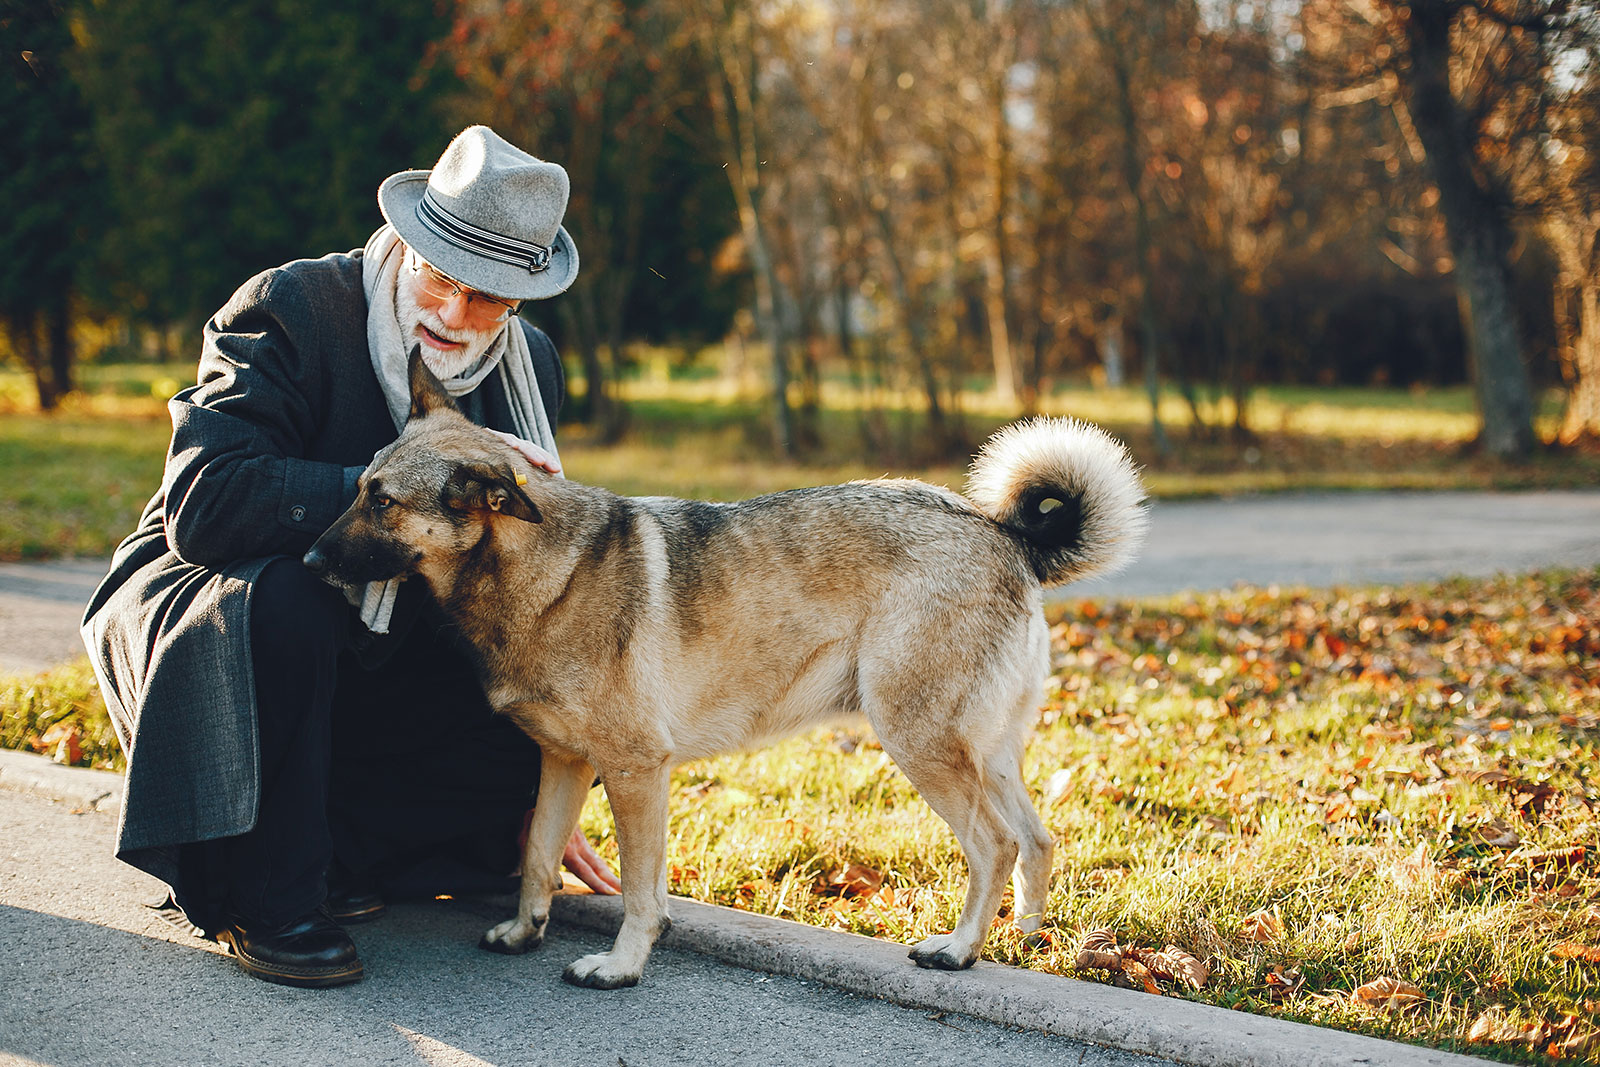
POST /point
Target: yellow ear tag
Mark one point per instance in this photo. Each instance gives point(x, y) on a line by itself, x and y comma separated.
point(522, 479)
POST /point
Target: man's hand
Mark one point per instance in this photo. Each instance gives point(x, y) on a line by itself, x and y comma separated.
point(582, 860)
point(533, 454)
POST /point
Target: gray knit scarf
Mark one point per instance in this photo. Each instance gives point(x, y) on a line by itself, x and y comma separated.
point(508, 356)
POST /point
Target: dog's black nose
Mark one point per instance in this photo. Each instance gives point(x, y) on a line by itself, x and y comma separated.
point(315, 561)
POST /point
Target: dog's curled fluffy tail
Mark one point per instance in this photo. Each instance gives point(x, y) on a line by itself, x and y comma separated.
point(1068, 489)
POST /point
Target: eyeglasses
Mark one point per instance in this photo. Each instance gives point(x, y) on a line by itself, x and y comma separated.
point(443, 287)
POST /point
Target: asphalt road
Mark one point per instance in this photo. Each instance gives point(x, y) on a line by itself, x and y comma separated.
point(92, 978)
point(1326, 539)
point(1306, 539)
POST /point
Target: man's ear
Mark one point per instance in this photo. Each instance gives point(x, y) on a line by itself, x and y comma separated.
point(474, 486)
point(427, 394)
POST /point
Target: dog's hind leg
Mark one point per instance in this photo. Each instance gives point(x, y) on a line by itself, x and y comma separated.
point(951, 781)
point(564, 780)
point(639, 806)
point(1035, 852)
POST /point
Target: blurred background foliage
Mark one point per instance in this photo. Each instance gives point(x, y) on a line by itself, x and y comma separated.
point(941, 197)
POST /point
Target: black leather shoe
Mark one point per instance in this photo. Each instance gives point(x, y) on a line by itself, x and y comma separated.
point(354, 904)
point(312, 951)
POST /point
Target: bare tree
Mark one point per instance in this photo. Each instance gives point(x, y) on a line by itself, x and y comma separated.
point(583, 82)
point(1471, 78)
point(1571, 223)
point(729, 35)
point(1128, 44)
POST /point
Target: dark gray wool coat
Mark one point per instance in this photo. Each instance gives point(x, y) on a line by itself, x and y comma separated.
point(265, 454)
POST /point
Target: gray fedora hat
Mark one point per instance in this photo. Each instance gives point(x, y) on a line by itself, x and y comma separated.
point(488, 215)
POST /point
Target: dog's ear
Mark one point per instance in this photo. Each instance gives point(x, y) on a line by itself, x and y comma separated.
point(427, 394)
point(475, 486)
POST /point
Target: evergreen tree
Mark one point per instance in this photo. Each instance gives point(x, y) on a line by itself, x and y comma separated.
point(50, 187)
point(243, 135)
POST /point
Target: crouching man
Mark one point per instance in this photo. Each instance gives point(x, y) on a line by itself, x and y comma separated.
point(298, 755)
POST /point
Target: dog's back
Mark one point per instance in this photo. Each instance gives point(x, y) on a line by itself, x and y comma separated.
point(631, 635)
point(791, 595)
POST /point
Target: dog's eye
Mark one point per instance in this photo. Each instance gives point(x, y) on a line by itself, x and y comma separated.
point(382, 502)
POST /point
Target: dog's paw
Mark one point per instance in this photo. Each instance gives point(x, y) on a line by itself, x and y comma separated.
point(597, 972)
point(513, 937)
point(940, 953)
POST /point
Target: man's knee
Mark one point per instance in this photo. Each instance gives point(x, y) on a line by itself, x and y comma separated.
point(295, 618)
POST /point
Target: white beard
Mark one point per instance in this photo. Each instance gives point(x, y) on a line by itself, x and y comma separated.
point(413, 317)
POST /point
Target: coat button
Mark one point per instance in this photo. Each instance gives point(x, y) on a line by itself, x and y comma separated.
point(297, 513)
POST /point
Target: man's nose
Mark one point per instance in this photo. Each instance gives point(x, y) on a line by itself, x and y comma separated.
point(454, 311)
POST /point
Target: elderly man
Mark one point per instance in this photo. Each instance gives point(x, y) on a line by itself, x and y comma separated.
point(282, 735)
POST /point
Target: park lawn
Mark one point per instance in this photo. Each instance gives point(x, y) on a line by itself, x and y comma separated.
point(709, 438)
point(77, 479)
point(75, 483)
point(1307, 793)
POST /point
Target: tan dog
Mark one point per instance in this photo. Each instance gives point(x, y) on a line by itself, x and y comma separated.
point(630, 635)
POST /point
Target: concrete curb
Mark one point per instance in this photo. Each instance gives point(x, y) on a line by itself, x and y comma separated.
point(23, 772)
point(1181, 1030)
point(1195, 1034)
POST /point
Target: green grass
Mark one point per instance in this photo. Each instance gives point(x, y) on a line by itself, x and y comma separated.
point(60, 714)
point(77, 478)
point(710, 438)
point(75, 483)
point(1343, 763)
point(1405, 780)
point(1349, 765)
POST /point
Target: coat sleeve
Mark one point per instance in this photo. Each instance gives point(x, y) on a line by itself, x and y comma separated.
point(236, 482)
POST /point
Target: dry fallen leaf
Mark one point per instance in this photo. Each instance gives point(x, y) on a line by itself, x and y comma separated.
point(1387, 994)
point(1499, 834)
point(1553, 858)
point(1493, 1025)
point(67, 741)
point(1418, 871)
point(1173, 964)
point(1098, 952)
point(1576, 1043)
point(1135, 975)
point(1233, 783)
point(1488, 776)
point(1284, 983)
point(1261, 926)
point(1338, 808)
point(1569, 950)
point(853, 879)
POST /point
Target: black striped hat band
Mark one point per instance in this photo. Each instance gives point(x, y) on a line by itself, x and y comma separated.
point(480, 242)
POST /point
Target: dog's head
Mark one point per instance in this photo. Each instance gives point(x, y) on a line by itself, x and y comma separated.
point(427, 498)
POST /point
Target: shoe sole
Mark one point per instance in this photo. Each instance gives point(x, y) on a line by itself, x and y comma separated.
point(304, 979)
point(363, 916)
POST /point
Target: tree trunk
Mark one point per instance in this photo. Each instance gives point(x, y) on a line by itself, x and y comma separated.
point(733, 108)
point(1574, 233)
point(1133, 178)
point(997, 291)
point(1479, 229)
point(23, 328)
point(1581, 361)
point(61, 354)
point(577, 312)
point(911, 318)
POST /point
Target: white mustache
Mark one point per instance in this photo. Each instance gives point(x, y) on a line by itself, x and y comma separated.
point(462, 336)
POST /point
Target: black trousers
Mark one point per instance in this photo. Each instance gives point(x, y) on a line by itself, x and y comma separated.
point(399, 776)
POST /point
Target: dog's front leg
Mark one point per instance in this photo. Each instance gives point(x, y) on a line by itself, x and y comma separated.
point(639, 807)
point(564, 780)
